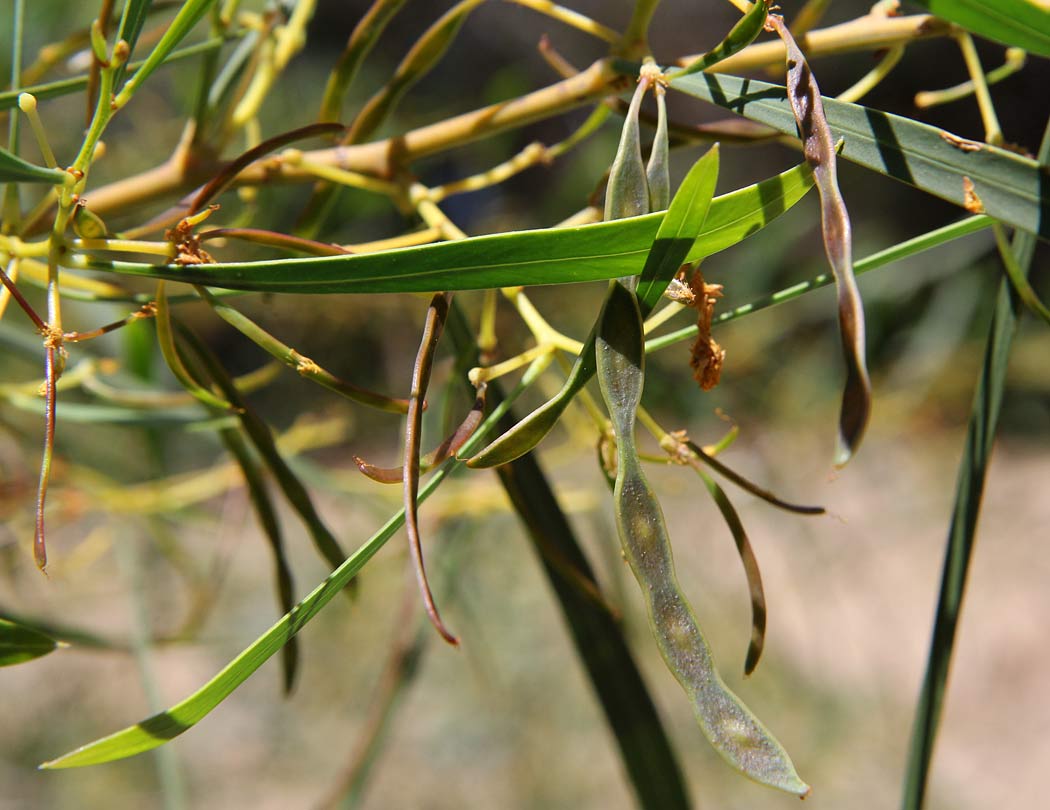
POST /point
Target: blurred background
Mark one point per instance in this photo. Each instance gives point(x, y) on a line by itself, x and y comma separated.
point(510, 719)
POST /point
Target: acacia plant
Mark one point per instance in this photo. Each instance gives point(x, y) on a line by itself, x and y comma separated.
point(204, 238)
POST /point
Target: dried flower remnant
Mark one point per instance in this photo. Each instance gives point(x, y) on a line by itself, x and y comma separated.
point(707, 356)
point(187, 244)
point(962, 144)
point(971, 202)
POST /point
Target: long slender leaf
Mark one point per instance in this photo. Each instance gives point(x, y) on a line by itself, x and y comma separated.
point(262, 505)
point(550, 256)
point(969, 488)
point(74, 84)
point(742, 34)
point(420, 59)
point(188, 16)
point(165, 726)
point(14, 169)
point(362, 38)
point(131, 21)
point(1010, 187)
point(19, 643)
point(751, 569)
point(685, 217)
point(1024, 23)
point(261, 438)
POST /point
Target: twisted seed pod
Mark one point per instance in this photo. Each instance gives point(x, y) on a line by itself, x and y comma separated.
point(729, 725)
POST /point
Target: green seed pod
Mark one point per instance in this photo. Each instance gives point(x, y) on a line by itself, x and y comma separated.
point(628, 192)
point(657, 171)
point(729, 725)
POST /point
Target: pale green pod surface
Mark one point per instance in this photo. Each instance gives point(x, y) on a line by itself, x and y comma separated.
point(729, 725)
point(657, 170)
point(628, 191)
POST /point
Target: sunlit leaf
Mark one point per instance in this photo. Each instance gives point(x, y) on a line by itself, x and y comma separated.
point(1009, 186)
point(1024, 23)
point(674, 239)
point(14, 169)
point(19, 643)
point(550, 256)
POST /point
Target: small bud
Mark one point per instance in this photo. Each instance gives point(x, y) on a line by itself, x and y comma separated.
point(86, 223)
point(98, 43)
point(121, 52)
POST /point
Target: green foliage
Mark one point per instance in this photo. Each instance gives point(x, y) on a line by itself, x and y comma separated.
point(19, 643)
point(60, 224)
point(1024, 23)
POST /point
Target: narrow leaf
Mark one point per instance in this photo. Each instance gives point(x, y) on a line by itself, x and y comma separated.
point(740, 36)
point(265, 513)
point(1018, 277)
point(969, 488)
point(188, 16)
point(1010, 187)
point(131, 21)
point(261, 438)
point(14, 169)
point(170, 352)
point(751, 569)
point(549, 256)
point(293, 359)
point(423, 55)
point(361, 40)
point(685, 217)
point(1024, 23)
point(19, 643)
